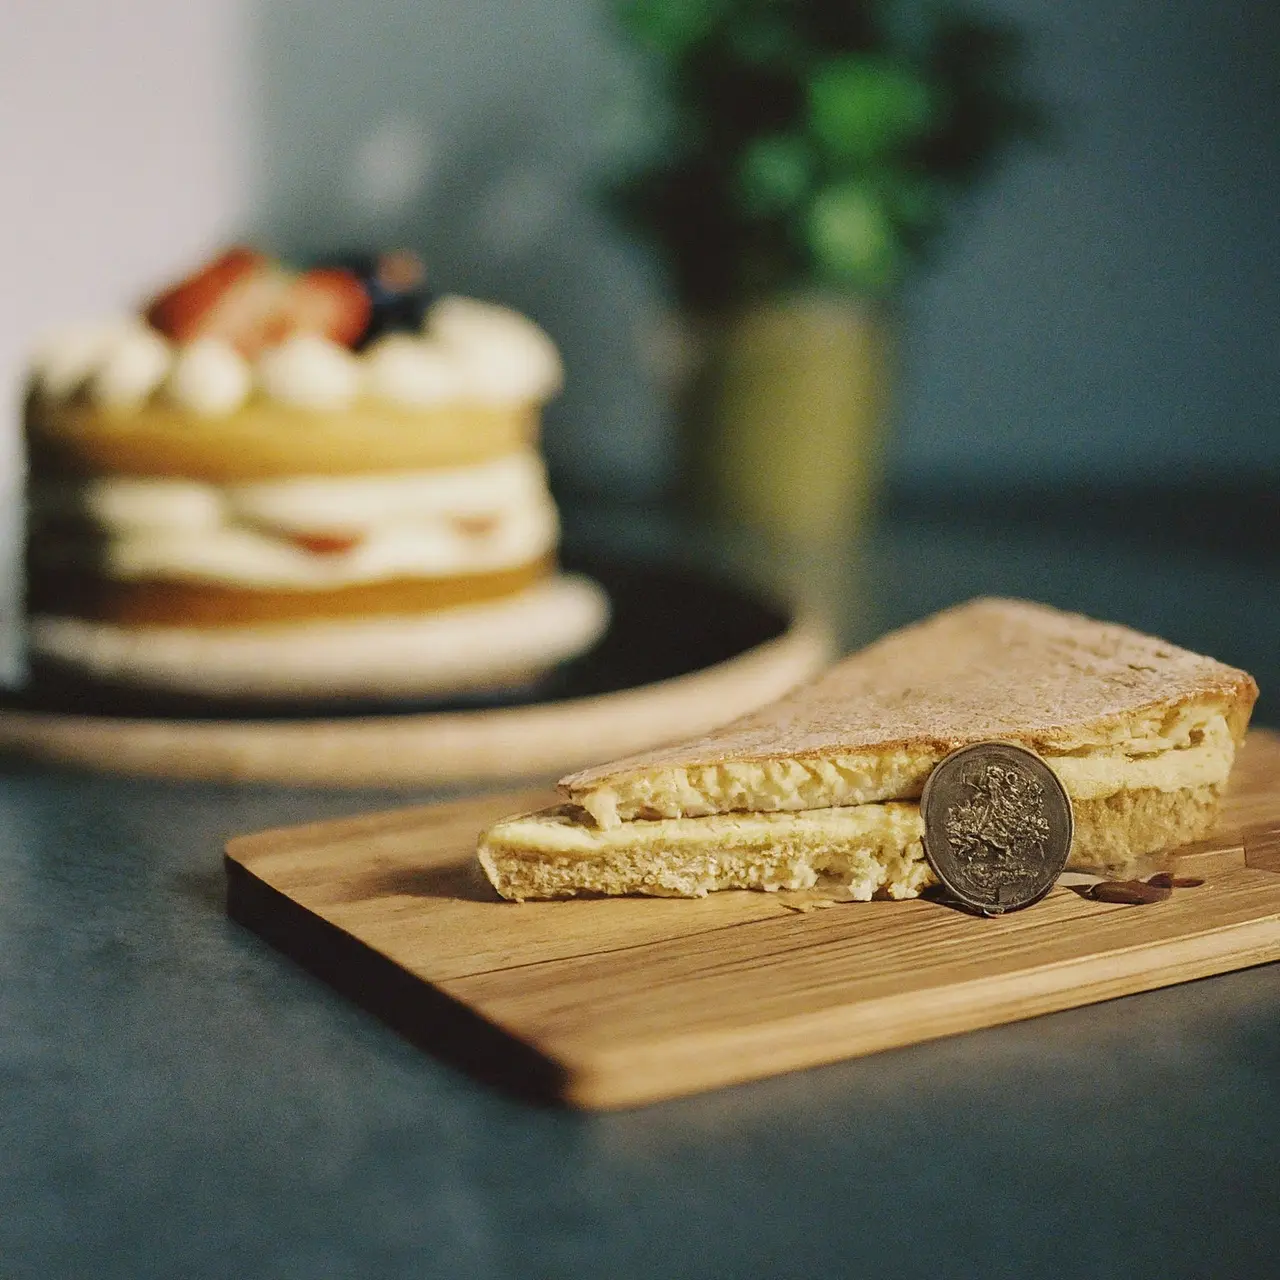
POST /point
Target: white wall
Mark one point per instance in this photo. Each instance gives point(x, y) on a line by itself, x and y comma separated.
point(124, 154)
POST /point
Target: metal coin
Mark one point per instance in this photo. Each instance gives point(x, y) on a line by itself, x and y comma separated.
point(997, 826)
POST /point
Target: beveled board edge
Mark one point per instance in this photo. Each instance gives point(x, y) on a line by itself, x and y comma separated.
point(677, 1067)
point(420, 1012)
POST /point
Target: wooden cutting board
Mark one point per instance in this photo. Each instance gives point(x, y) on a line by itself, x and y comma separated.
point(615, 1002)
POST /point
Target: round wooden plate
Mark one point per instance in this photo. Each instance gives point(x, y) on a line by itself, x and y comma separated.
point(683, 653)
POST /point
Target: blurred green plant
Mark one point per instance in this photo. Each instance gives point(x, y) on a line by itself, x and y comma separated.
point(813, 143)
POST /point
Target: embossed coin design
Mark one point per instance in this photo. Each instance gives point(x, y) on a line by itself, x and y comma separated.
point(997, 826)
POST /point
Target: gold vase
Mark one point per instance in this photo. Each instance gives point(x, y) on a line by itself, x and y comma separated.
point(787, 421)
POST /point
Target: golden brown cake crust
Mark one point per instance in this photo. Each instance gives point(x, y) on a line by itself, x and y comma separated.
point(266, 440)
point(1055, 682)
point(206, 604)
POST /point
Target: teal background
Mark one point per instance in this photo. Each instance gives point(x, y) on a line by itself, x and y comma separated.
point(1106, 308)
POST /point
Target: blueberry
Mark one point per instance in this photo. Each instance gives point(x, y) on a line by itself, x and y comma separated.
point(395, 284)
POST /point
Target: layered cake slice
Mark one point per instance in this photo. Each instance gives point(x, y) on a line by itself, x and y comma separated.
point(822, 787)
point(278, 482)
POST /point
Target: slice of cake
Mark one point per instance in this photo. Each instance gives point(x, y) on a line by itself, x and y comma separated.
point(821, 786)
point(281, 482)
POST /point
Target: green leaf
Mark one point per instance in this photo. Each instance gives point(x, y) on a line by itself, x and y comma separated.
point(916, 202)
point(852, 238)
point(774, 174)
point(861, 108)
point(670, 27)
point(766, 39)
point(809, 141)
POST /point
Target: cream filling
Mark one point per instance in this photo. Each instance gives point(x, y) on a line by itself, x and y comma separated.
point(249, 558)
point(1197, 749)
point(309, 504)
point(493, 516)
point(864, 851)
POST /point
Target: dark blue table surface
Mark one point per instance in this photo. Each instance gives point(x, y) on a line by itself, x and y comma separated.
point(178, 1100)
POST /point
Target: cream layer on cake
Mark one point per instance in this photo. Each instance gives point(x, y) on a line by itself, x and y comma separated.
point(441, 523)
point(467, 352)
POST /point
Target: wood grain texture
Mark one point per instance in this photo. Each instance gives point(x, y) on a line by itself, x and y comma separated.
point(539, 740)
point(616, 1002)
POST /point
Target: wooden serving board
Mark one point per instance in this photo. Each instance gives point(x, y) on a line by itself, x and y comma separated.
point(615, 1002)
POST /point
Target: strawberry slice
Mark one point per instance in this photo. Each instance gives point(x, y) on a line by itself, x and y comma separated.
point(324, 544)
point(329, 301)
point(234, 297)
point(475, 526)
point(181, 312)
point(248, 300)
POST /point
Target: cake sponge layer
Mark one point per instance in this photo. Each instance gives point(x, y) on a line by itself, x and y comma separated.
point(872, 849)
point(191, 605)
point(269, 441)
point(1196, 749)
